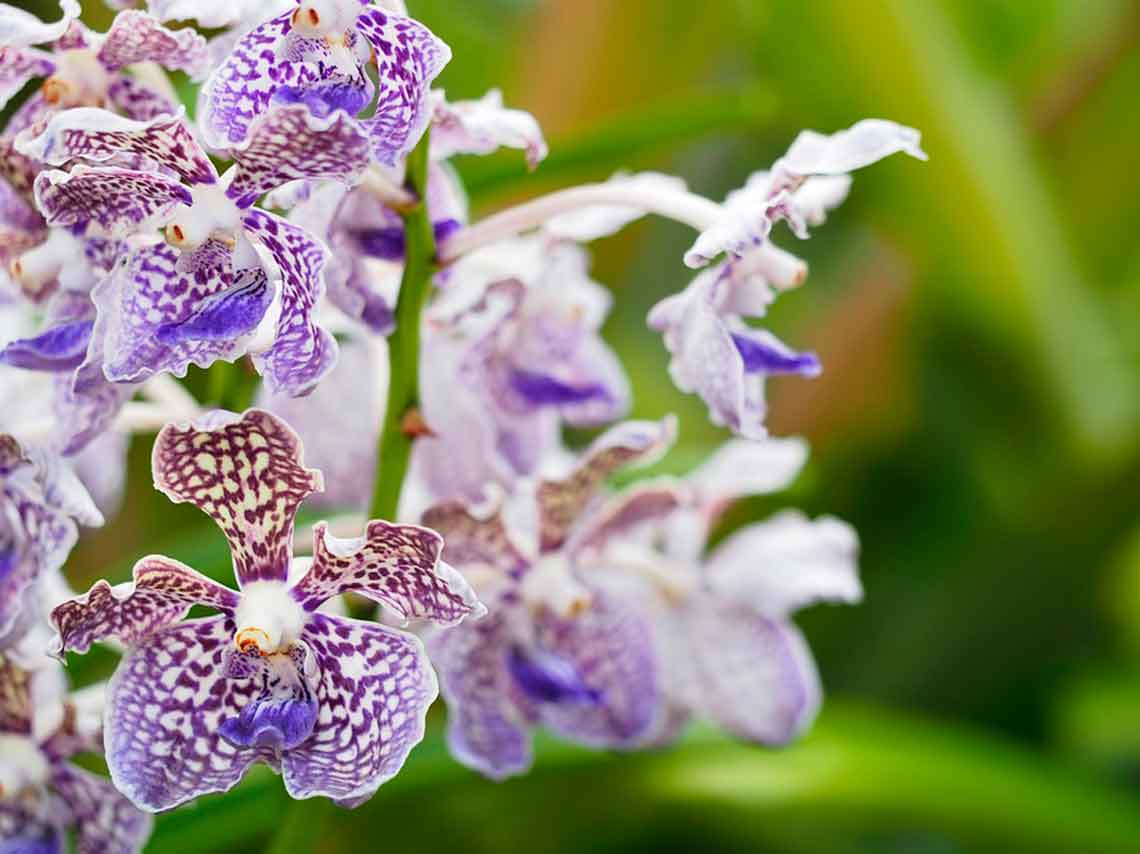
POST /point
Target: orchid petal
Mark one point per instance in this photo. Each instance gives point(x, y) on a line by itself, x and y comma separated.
point(408, 58)
point(211, 466)
point(20, 29)
point(373, 694)
point(96, 135)
point(116, 200)
point(397, 565)
point(137, 36)
point(161, 593)
point(484, 126)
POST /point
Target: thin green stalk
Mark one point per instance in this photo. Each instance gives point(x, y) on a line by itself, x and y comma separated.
point(404, 345)
point(305, 821)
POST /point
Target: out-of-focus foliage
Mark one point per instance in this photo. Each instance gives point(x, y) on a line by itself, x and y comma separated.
point(978, 319)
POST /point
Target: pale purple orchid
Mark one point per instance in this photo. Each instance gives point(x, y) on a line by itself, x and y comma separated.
point(513, 350)
point(227, 267)
point(715, 354)
point(726, 647)
point(334, 704)
point(44, 796)
point(555, 650)
point(41, 505)
point(317, 55)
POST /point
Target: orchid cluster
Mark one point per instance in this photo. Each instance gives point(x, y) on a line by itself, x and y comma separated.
point(305, 238)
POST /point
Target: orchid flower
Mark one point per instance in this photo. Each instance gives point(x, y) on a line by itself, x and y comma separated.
point(43, 796)
point(554, 650)
point(334, 704)
point(317, 55)
point(726, 645)
point(203, 295)
point(119, 70)
point(513, 350)
point(41, 502)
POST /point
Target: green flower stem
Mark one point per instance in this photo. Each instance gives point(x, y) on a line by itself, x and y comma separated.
point(305, 822)
point(404, 345)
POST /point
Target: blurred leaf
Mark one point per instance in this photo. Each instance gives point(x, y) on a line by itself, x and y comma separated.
point(860, 771)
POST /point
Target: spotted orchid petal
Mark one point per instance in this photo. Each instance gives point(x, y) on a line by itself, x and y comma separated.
point(138, 101)
point(224, 316)
point(21, 29)
point(161, 593)
point(610, 648)
point(302, 352)
point(786, 563)
point(86, 404)
point(241, 87)
point(287, 143)
point(167, 701)
point(96, 135)
point(482, 127)
point(118, 201)
point(373, 694)
point(486, 730)
point(562, 501)
point(60, 348)
point(20, 65)
point(104, 820)
point(397, 565)
point(211, 466)
point(408, 58)
point(752, 675)
point(27, 831)
point(137, 36)
point(475, 538)
point(654, 501)
point(147, 293)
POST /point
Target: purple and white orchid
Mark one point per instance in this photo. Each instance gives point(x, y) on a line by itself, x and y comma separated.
point(202, 295)
point(41, 502)
point(317, 54)
point(44, 796)
point(555, 650)
point(727, 649)
point(334, 704)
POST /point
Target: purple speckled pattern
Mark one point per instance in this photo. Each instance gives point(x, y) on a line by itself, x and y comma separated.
point(241, 87)
point(247, 475)
point(373, 694)
point(18, 66)
point(408, 58)
point(470, 540)
point(166, 702)
point(144, 293)
point(105, 822)
point(303, 352)
point(116, 200)
point(287, 143)
point(486, 730)
point(611, 649)
point(562, 502)
point(162, 592)
point(97, 136)
point(223, 316)
point(283, 714)
point(138, 102)
point(136, 36)
point(397, 565)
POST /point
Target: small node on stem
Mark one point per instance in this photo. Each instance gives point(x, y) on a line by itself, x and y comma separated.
point(413, 425)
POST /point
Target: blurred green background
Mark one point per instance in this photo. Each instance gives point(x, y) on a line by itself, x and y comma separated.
point(978, 318)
